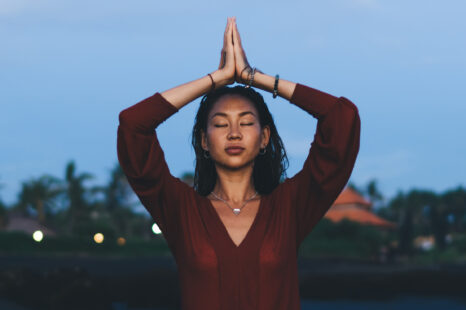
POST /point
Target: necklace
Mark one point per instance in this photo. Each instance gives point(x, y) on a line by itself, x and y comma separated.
point(236, 211)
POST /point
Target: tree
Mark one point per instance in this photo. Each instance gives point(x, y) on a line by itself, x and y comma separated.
point(414, 213)
point(375, 196)
point(3, 210)
point(404, 213)
point(39, 194)
point(371, 191)
point(456, 201)
point(117, 200)
point(188, 178)
point(78, 206)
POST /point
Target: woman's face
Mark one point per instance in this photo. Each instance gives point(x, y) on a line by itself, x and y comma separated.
point(234, 135)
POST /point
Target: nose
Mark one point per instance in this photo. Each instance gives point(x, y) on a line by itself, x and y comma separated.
point(234, 133)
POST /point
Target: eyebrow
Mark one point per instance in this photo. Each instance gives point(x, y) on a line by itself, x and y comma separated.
point(240, 114)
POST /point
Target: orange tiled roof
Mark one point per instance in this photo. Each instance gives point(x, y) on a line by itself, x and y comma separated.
point(359, 215)
point(350, 196)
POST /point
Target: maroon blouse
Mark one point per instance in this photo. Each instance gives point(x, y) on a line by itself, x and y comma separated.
point(261, 273)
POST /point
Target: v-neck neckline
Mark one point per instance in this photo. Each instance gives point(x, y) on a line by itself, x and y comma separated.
point(224, 230)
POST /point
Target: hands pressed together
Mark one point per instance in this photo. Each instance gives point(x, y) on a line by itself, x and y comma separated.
point(233, 61)
point(233, 67)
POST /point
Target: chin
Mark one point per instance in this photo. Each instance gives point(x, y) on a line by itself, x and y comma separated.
point(235, 163)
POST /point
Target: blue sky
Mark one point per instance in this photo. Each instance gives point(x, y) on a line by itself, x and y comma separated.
point(69, 67)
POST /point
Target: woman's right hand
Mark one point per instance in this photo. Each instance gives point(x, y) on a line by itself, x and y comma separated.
point(227, 55)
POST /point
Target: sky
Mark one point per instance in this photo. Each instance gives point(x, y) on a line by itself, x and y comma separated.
point(68, 68)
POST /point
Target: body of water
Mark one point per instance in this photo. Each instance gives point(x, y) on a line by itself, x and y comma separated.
point(399, 303)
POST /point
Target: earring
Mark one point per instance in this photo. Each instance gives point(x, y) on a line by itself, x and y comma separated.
point(206, 154)
point(263, 151)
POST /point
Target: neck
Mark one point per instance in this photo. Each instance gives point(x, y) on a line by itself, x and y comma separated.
point(235, 186)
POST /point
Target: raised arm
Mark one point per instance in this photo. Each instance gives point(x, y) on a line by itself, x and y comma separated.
point(332, 154)
point(139, 151)
point(331, 157)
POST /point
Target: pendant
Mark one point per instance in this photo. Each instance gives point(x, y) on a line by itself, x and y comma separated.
point(236, 211)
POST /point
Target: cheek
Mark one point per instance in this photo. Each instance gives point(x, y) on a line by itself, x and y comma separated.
point(254, 135)
point(214, 138)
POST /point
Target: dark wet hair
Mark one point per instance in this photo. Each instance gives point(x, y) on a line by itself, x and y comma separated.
point(269, 169)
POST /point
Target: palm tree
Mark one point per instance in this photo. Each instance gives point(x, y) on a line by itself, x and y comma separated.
point(117, 200)
point(374, 194)
point(404, 213)
point(79, 208)
point(40, 195)
point(415, 211)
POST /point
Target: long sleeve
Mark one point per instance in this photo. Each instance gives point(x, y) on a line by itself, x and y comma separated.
point(331, 157)
point(144, 165)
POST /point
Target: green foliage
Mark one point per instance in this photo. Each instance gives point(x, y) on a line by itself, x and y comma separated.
point(436, 256)
point(3, 214)
point(21, 243)
point(76, 212)
point(459, 243)
point(343, 239)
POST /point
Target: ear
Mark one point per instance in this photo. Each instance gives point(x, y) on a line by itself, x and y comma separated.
point(265, 136)
point(204, 141)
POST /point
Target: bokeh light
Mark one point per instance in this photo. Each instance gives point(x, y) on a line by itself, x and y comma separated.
point(156, 229)
point(121, 241)
point(38, 236)
point(98, 238)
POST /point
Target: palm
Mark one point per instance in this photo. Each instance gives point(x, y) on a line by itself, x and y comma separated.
point(233, 61)
point(227, 57)
point(241, 62)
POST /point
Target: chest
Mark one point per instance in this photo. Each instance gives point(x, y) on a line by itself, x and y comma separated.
point(239, 225)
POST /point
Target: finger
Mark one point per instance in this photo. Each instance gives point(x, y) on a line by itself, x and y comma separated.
point(227, 30)
point(236, 44)
point(222, 59)
point(236, 33)
point(229, 56)
point(230, 33)
point(225, 42)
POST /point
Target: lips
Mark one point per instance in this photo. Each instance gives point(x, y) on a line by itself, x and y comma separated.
point(234, 149)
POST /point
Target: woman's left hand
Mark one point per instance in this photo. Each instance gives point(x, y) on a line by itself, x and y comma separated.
point(241, 61)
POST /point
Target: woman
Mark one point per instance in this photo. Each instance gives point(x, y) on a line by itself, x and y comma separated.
point(235, 236)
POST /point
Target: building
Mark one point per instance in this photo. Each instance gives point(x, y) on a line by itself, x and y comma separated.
point(354, 207)
point(27, 225)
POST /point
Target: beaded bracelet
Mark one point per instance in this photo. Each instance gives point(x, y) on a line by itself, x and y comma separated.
point(275, 87)
point(252, 78)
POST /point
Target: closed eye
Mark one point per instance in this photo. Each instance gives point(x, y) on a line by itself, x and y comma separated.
point(244, 124)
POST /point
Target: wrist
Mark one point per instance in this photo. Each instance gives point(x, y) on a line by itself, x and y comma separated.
point(220, 78)
point(267, 82)
point(263, 81)
point(244, 75)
